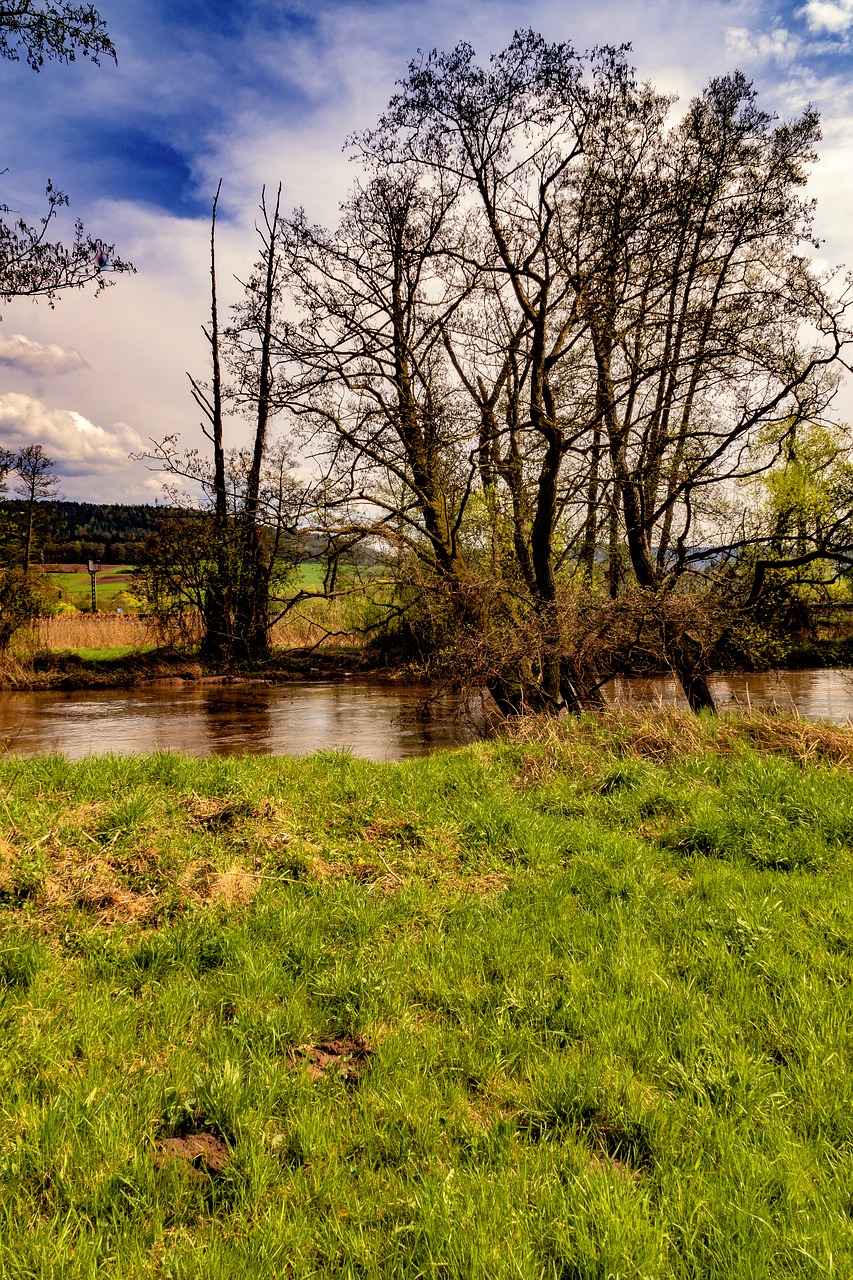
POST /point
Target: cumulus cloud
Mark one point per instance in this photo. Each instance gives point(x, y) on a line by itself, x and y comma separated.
point(79, 447)
point(779, 45)
point(834, 16)
point(32, 357)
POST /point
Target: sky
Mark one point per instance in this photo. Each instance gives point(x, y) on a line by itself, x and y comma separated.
point(260, 91)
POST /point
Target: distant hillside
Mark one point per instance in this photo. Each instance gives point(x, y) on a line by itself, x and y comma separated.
point(71, 533)
point(74, 532)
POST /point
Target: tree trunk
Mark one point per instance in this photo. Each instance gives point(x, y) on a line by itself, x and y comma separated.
point(28, 536)
point(686, 661)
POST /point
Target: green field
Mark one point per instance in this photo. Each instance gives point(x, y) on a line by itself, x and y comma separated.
point(115, 587)
point(572, 1005)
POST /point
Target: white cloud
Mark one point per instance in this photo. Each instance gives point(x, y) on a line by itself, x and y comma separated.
point(42, 361)
point(79, 447)
point(779, 45)
point(834, 16)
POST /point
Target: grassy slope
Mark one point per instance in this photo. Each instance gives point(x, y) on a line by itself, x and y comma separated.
point(605, 978)
point(77, 587)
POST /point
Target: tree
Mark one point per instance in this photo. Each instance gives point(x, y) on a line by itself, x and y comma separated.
point(32, 265)
point(23, 598)
point(22, 594)
point(35, 483)
point(46, 31)
point(545, 342)
point(229, 566)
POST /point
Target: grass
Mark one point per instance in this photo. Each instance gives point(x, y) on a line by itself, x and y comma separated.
point(113, 583)
point(85, 632)
point(584, 994)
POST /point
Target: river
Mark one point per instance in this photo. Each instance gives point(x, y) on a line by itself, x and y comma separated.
point(378, 720)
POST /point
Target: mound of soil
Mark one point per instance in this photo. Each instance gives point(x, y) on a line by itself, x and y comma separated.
point(202, 1151)
point(346, 1057)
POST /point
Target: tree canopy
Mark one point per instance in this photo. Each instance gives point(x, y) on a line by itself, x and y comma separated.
point(554, 337)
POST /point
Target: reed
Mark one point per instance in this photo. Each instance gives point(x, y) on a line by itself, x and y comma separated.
point(92, 631)
point(320, 623)
point(317, 623)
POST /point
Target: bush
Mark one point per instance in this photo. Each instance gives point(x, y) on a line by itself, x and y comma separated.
point(23, 598)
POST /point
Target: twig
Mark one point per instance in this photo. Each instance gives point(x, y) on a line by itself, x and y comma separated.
point(387, 868)
point(38, 842)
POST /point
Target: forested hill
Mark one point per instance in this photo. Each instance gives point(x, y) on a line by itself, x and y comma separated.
point(74, 532)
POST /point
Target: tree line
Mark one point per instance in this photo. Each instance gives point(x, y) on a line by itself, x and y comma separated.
point(70, 532)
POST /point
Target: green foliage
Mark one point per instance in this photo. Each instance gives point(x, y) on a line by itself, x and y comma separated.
point(75, 532)
point(23, 598)
point(801, 508)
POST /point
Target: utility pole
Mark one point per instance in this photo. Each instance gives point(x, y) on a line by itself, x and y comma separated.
point(93, 569)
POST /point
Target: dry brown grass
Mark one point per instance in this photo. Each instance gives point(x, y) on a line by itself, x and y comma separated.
point(235, 887)
point(93, 885)
point(317, 622)
point(668, 733)
point(94, 631)
point(314, 623)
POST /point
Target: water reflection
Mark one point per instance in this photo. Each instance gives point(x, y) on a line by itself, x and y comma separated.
point(373, 719)
point(814, 695)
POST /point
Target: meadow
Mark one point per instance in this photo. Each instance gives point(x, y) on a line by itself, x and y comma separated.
point(114, 588)
point(574, 1003)
point(110, 635)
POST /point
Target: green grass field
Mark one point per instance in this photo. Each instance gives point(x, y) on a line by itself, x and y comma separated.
point(573, 1005)
point(113, 587)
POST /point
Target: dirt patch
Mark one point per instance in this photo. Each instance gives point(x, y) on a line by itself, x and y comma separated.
point(202, 1151)
point(215, 813)
point(361, 872)
point(624, 1147)
point(397, 831)
point(112, 902)
point(493, 882)
point(347, 1057)
point(610, 1166)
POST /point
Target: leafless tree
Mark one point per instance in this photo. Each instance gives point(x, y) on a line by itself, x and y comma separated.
point(31, 264)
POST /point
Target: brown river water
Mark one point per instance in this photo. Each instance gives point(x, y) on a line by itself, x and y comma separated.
point(378, 720)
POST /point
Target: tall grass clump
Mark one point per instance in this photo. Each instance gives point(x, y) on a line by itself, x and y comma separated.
point(69, 631)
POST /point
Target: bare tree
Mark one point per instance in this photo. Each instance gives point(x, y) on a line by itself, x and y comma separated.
point(36, 482)
point(585, 320)
point(230, 562)
point(44, 32)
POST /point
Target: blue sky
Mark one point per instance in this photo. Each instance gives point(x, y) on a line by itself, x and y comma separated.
point(259, 90)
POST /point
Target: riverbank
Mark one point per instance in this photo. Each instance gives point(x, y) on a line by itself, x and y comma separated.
point(573, 1002)
point(125, 666)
